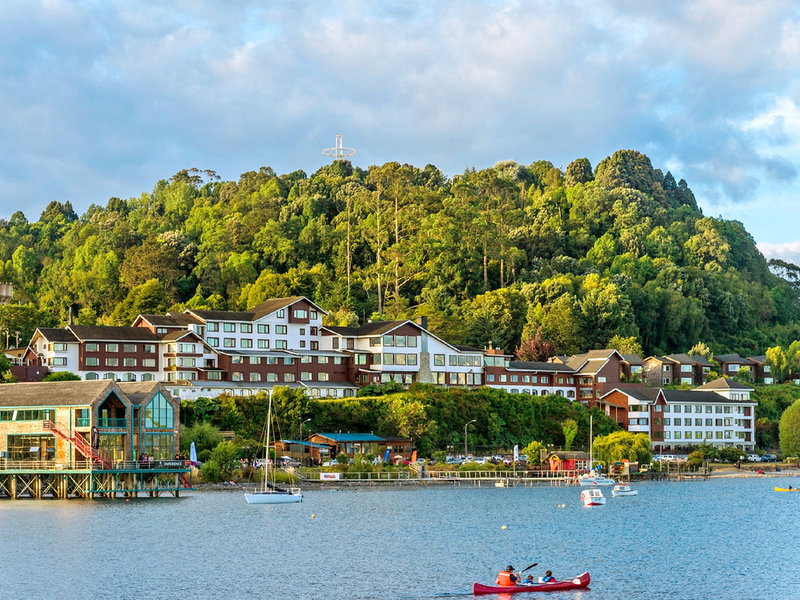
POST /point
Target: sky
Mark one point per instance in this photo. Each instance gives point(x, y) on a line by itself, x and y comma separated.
point(101, 99)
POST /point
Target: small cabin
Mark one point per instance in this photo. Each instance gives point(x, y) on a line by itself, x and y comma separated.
point(568, 461)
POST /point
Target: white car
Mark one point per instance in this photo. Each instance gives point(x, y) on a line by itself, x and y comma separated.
point(753, 458)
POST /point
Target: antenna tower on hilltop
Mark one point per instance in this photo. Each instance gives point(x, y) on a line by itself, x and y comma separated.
point(339, 152)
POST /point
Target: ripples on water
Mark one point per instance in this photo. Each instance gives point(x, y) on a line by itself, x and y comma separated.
point(732, 539)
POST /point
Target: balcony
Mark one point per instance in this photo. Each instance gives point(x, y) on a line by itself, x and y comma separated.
point(82, 422)
point(113, 423)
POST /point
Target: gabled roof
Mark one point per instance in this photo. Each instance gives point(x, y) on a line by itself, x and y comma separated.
point(370, 329)
point(732, 358)
point(632, 359)
point(140, 393)
point(724, 383)
point(55, 334)
point(684, 359)
point(701, 361)
point(351, 437)
point(521, 365)
point(642, 394)
point(761, 358)
point(304, 443)
point(57, 393)
point(221, 315)
point(178, 334)
point(270, 306)
point(114, 334)
point(694, 396)
point(592, 361)
point(169, 320)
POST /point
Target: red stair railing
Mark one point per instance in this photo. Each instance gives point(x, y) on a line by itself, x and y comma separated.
point(81, 445)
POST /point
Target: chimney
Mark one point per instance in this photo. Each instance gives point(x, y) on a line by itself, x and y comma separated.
point(423, 322)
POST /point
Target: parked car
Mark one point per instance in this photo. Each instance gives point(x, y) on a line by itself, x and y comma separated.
point(288, 461)
point(753, 458)
point(768, 458)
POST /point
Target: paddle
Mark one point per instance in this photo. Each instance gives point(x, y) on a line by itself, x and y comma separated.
point(526, 568)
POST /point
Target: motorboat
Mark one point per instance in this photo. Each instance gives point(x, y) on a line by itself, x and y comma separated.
point(591, 480)
point(593, 497)
point(624, 490)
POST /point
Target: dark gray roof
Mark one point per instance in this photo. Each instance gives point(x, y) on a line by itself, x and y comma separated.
point(703, 362)
point(695, 396)
point(642, 394)
point(724, 383)
point(171, 320)
point(140, 393)
point(761, 358)
point(680, 358)
point(369, 329)
point(732, 358)
point(462, 348)
point(221, 315)
point(54, 334)
point(632, 359)
point(113, 334)
point(56, 393)
point(521, 365)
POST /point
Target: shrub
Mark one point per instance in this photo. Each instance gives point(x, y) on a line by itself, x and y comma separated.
point(789, 430)
point(210, 472)
point(226, 456)
point(204, 435)
point(204, 455)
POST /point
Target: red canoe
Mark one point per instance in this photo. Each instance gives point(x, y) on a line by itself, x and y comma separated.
point(581, 581)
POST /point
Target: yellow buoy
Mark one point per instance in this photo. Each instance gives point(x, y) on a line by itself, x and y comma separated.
point(504, 527)
point(313, 516)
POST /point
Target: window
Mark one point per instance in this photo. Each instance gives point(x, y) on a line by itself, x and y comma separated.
point(91, 376)
point(677, 408)
point(388, 359)
point(263, 344)
point(112, 347)
point(129, 377)
point(281, 329)
point(150, 348)
point(186, 348)
point(129, 362)
point(388, 340)
point(708, 422)
point(677, 421)
point(263, 328)
point(374, 341)
point(159, 414)
point(314, 315)
point(717, 409)
point(129, 348)
point(686, 368)
point(246, 343)
point(112, 362)
point(213, 326)
point(159, 446)
point(306, 359)
point(254, 360)
point(288, 361)
point(280, 344)
point(246, 327)
point(92, 347)
point(272, 377)
point(453, 360)
point(288, 377)
point(697, 423)
point(236, 376)
point(92, 361)
point(305, 376)
point(411, 341)
point(411, 359)
point(229, 327)
point(323, 360)
point(229, 342)
point(213, 342)
point(300, 313)
point(255, 376)
point(323, 376)
point(148, 362)
point(281, 314)
point(186, 362)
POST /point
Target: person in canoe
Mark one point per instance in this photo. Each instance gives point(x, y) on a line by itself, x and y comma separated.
point(548, 577)
point(529, 580)
point(508, 578)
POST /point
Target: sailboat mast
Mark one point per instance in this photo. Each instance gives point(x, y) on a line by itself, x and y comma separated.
point(591, 441)
point(266, 450)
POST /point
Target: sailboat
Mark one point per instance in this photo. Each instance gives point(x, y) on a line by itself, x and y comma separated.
point(269, 492)
point(592, 478)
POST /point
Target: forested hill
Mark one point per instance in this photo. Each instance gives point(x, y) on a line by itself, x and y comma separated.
point(493, 255)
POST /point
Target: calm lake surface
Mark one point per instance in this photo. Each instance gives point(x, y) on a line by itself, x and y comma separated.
point(705, 540)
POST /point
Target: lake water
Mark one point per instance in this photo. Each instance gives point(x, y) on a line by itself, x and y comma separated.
point(705, 540)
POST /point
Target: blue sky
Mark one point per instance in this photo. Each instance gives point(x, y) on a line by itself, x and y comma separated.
point(103, 98)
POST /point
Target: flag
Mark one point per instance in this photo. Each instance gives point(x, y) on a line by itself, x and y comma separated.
point(193, 455)
point(516, 452)
point(386, 456)
point(414, 456)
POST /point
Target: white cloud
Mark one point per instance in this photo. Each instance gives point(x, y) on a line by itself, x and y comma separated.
point(788, 251)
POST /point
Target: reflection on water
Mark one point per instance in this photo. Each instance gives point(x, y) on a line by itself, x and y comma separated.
point(679, 541)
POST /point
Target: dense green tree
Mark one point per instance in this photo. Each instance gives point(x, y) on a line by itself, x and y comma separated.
point(789, 430)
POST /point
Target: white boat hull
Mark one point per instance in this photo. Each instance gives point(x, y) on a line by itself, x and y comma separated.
point(595, 481)
point(592, 498)
point(594, 502)
point(272, 498)
point(625, 493)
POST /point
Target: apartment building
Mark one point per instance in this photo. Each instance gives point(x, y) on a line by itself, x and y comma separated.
point(675, 369)
point(719, 412)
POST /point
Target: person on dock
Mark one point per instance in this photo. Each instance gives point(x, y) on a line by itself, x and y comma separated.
point(548, 577)
point(508, 578)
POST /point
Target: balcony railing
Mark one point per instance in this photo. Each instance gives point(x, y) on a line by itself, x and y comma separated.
point(82, 422)
point(113, 423)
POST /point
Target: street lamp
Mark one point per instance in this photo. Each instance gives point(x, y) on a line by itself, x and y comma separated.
point(465, 435)
point(301, 428)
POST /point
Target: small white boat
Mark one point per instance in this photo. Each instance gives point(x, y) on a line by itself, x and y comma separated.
point(624, 490)
point(593, 497)
point(594, 480)
point(275, 497)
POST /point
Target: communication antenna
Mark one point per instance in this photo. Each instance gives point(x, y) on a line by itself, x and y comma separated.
point(339, 152)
